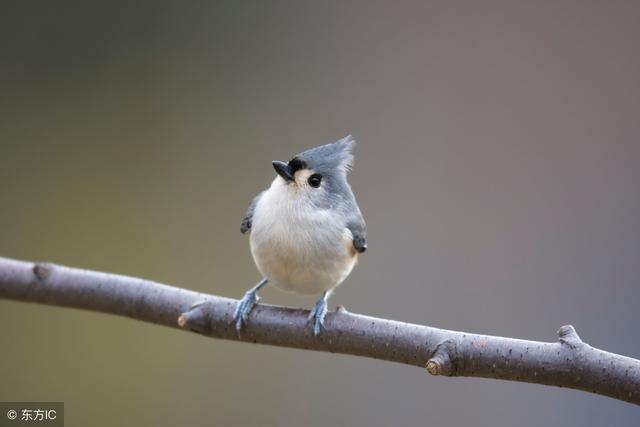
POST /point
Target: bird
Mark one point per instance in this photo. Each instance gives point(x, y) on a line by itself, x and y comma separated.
point(306, 229)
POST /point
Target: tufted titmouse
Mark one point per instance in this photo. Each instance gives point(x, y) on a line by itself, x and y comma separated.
point(306, 228)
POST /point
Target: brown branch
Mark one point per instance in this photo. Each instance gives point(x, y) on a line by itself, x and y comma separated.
point(569, 362)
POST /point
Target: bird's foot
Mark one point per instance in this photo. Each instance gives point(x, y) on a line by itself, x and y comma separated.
point(317, 314)
point(246, 304)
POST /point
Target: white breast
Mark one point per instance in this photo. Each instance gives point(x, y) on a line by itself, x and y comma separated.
point(297, 248)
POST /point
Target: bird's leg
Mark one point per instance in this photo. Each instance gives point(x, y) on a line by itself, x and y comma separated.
point(246, 304)
point(318, 313)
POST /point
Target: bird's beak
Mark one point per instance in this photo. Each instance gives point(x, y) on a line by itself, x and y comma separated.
point(283, 170)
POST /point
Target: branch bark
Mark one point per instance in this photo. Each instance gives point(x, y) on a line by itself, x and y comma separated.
point(569, 362)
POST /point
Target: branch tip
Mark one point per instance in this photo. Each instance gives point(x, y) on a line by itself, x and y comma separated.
point(434, 367)
point(441, 361)
point(568, 335)
point(182, 321)
point(196, 319)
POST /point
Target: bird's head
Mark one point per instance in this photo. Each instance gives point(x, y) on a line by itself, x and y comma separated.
point(320, 172)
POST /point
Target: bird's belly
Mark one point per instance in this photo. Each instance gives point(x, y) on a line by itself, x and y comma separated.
point(303, 259)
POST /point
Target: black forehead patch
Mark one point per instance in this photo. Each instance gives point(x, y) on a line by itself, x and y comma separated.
point(296, 164)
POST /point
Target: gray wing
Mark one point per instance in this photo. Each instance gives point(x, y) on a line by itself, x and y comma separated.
point(358, 229)
point(248, 217)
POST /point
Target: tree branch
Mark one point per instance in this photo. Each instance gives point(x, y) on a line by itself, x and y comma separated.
point(567, 363)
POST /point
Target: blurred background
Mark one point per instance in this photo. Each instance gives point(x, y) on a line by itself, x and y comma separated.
point(497, 169)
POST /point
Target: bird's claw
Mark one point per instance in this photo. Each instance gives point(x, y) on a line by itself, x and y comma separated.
point(317, 314)
point(244, 307)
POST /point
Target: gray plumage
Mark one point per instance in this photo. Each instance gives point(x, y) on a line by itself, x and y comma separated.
point(248, 217)
point(306, 228)
point(333, 161)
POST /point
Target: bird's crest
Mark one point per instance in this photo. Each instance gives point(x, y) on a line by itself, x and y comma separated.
point(337, 156)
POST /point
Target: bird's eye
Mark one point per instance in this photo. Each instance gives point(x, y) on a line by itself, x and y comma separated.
point(314, 180)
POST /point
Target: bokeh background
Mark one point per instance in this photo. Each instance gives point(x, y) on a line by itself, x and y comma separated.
point(497, 168)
